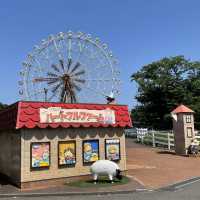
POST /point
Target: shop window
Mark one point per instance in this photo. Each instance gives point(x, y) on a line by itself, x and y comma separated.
point(112, 149)
point(189, 132)
point(90, 150)
point(188, 118)
point(40, 155)
point(66, 153)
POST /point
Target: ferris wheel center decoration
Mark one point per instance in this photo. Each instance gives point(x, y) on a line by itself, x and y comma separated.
point(70, 67)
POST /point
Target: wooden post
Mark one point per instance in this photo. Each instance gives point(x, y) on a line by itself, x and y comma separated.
point(153, 139)
point(168, 138)
point(137, 133)
point(142, 135)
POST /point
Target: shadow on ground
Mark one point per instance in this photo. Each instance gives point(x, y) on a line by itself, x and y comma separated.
point(4, 180)
point(166, 152)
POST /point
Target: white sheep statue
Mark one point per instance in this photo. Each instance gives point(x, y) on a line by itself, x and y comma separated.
point(105, 168)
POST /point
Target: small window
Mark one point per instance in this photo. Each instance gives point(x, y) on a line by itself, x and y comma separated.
point(188, 118)
point(189, 132)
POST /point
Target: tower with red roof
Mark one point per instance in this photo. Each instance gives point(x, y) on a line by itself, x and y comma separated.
point(183, 127)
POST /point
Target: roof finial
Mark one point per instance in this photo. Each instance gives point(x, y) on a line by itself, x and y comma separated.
point(110, 98)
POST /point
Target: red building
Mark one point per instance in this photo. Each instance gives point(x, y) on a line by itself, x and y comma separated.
point(44, 142)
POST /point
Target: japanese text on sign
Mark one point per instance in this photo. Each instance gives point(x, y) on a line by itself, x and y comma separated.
point(59, 115)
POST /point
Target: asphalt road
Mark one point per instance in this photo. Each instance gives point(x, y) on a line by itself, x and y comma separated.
point(185, 191)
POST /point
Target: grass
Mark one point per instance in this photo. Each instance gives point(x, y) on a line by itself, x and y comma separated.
point(102, 182)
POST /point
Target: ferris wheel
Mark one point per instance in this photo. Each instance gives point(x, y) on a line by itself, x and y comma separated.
point(70, 67)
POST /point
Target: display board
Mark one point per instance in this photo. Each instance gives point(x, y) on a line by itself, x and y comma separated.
point(90, 151)
point(40, 155)
point(67, 153)
point(112, 149)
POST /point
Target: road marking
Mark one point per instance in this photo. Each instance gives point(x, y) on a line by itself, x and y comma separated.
point(139, 181)
point(142, 189)
point(131, 166)
point(185, 184)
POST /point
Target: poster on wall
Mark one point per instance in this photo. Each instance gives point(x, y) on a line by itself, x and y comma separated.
point(112, 149)
point(67, 153)
point(90, 151)
point(40, 155)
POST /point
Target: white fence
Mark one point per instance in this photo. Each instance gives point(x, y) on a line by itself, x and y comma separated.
point(141, 133)
point(155, 138)
point(131, 133)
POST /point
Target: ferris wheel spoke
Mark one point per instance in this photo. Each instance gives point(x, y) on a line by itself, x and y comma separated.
point(52, 81)
point(81, 49)
point(55, 88)
point(62, 94)
point(97, 92)
point(62, 64)
point(75, 67)
point(69, 62)
point(52, 74)
point(55, 68)
point(69, 48)
point(37, 92)
point(94, 55)
point(79, 73)
point(46, 55)
point(79, 80)
point(107, 80)
point(51, 97)
point(76, 87)
point(38, 64)
point(58, 53)
point(41, 79)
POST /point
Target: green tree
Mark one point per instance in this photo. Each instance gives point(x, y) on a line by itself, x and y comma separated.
point(193, 90)
point(162, 85)
point(2, 106)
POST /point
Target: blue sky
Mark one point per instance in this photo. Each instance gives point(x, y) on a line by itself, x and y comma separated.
point(137, 31)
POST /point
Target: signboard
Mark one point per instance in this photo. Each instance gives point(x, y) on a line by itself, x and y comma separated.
point(112, 149)
point(40, 155)
point(90, 151)
point(59, 115)
point(67, 153)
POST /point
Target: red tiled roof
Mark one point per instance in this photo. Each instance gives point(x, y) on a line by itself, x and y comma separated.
point(25, 114)
point(182, 109)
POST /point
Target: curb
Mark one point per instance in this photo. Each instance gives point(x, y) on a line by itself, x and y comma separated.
point(179, 185)
point(171, 187)
point(72, 193)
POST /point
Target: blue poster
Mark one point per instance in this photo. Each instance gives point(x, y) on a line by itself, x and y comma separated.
point(90, 151)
